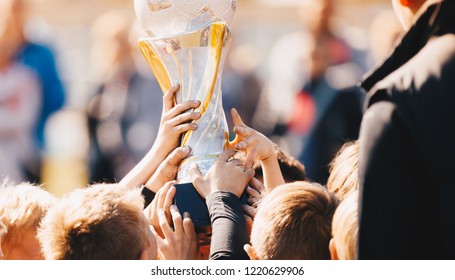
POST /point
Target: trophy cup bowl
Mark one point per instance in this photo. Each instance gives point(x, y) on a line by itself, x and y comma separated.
point(188, 44)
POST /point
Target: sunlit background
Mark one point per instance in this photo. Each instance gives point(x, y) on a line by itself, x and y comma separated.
point(71, 27)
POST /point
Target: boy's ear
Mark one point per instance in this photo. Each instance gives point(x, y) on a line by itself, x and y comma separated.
point(250, 251)
point(333, 250)
point(144, 255)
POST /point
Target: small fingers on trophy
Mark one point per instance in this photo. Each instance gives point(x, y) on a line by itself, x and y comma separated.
point(226, 155)
point(236, 118)
point(186, 117)
point(171, 108)
point(179, 109)
point(241, 130)
point(242, 145)
point(169, 98)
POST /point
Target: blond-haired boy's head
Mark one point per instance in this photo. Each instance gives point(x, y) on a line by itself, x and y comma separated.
point(101, 222)
point(345, 229)
point(22, 207)
point(294, 221)
point(344, 171)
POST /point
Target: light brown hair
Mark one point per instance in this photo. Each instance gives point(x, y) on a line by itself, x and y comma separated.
point(345, 227)
point(103, 222)
point(294, 221)
point(22, 207)
point(344, 171)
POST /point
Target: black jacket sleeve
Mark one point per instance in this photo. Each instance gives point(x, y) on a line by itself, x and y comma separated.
point(229, 232)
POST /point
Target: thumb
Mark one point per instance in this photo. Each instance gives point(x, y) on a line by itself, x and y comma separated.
point(249, 161)
point(236, 119)
point(168, 98)
point(249, 173)
point(177, 155)
point(197, 179)
point(195, 174)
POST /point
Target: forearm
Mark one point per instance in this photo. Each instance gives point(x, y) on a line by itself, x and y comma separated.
point(272, 173)
point(229, 232)
point(142, 172)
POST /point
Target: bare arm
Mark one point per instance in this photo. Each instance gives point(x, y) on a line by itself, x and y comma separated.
point(259, 147)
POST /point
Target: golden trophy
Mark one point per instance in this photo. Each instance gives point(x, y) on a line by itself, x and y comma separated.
point(188, 42)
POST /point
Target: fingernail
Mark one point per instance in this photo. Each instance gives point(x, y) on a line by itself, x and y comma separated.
point(174, 208)
point(186, 149)
point(194, 125)
point(198, 114)
point(186, 215)
point(196, 101)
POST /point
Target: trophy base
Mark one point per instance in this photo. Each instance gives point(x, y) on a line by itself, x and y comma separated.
point(187, 199)
point(203, 162)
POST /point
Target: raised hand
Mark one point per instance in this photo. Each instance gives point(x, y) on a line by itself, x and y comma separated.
point(257, 147)
point(255, 144)
point(179, 243)
point(175, 120)
point(226, 174)
point(168, 169)
point(163, 200)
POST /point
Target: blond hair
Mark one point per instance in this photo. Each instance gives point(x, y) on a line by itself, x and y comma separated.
point(101, 222)
point(345, 227)
point(294, 221)
point(344, 171)
point(22, 207)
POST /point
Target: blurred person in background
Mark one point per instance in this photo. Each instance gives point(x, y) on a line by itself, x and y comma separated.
point(40, 59)
point(407, 141)
point(124, 114)
point(19, 101)
point(303, 103)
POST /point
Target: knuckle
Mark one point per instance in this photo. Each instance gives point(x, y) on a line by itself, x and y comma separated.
point(177, 218)
point(162, 222)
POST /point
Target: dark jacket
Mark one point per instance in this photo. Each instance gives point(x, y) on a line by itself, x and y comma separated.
point(407, 146)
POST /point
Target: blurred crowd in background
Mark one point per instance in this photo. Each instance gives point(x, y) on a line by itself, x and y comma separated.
point(78, 103)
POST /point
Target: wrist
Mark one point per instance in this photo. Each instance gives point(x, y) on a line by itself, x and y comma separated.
point(269, 158)
point(225, 191)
